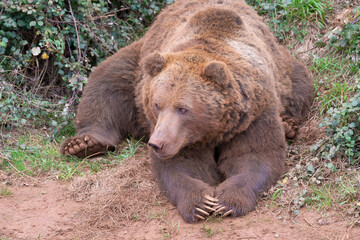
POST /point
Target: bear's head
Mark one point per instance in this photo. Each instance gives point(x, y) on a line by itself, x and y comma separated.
point(190, 98)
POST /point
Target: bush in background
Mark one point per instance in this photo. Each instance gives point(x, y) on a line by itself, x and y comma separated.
point(286, 17)
point(47, 49)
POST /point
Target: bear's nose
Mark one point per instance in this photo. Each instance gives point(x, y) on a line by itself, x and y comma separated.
point(156, 147)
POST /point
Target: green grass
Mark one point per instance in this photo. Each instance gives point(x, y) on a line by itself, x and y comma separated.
point(209, 232)
point(304, 10)
point(289, 18)
point(344, 191)
point(34, 155)
point(308, 10)
point(129, 148)
point(159, 215)
point(170, 230)
point(332, 74)
point(5, 192)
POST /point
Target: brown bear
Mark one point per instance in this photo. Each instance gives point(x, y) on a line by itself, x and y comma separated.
point(215, 95)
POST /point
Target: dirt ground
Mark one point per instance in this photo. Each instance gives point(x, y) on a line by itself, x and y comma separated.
point(125, 203)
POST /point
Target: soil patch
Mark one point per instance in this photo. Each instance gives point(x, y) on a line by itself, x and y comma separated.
point(125, 203)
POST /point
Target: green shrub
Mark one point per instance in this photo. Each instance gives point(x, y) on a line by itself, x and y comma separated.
point(343, 128)
point(18, 109)
point(47, 50)
point(282, 14)
point(50, 42)
point(343, 117)
point(347, 40)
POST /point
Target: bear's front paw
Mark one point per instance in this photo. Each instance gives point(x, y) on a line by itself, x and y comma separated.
point(82, 146)
point(235, 201)
point(193, 210)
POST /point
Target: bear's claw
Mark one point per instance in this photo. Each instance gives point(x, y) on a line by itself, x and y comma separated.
point(227, 213)
point(210, 198)
point(219, 210)
point(200, 217)
point(202, 211)
point(210, 206)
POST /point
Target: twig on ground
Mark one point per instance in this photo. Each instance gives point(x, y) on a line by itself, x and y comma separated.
point(315, 229)
point(17, 170)
point(92, 155)
point(347, 231)
point(357, 19)
point(309, 50)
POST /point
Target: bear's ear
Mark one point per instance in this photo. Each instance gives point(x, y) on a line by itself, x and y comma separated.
point(217, 72)
point(153, 64)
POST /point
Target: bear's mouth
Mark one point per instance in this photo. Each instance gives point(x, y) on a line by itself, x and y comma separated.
point(163, 155)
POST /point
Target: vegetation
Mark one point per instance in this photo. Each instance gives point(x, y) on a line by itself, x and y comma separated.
point(33, 155)
point(286, 17)
point(318, 178)
point(48, 48)
point(5, 192)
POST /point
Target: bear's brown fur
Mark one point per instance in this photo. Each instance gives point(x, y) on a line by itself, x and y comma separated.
point(215, 95)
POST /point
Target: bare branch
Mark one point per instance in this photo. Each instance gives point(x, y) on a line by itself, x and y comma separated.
point(77, 32)
point(357, 19)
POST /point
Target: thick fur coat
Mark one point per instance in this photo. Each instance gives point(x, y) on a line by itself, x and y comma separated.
point(214, 94)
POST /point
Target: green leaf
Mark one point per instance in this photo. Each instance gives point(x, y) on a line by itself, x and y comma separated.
point(5, 40)
point(23, 121)
point(21, 23)
point(40, 23)
point(32, 24)
point(330, 165)
point(23, 42)
point(352, 125)
point(310, 168)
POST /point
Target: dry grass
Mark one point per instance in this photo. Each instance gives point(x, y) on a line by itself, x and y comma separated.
point(112, 196)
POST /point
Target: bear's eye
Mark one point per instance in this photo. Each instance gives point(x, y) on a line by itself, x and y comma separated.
point(182, 110)
point(157, 107)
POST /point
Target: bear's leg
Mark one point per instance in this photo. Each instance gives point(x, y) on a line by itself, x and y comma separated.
point(107, 113)
point(188, 181)
point(250, 163)
point(297, 104)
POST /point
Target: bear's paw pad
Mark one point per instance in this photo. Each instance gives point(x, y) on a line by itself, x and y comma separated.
point(82, 146)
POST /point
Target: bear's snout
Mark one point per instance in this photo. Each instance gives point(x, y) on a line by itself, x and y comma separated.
point(156, 146)
point(159, 145)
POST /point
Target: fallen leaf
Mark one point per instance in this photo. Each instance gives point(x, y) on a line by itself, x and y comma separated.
point(44, 56)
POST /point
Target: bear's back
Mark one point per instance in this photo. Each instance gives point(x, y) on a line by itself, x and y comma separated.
point(234, 31)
